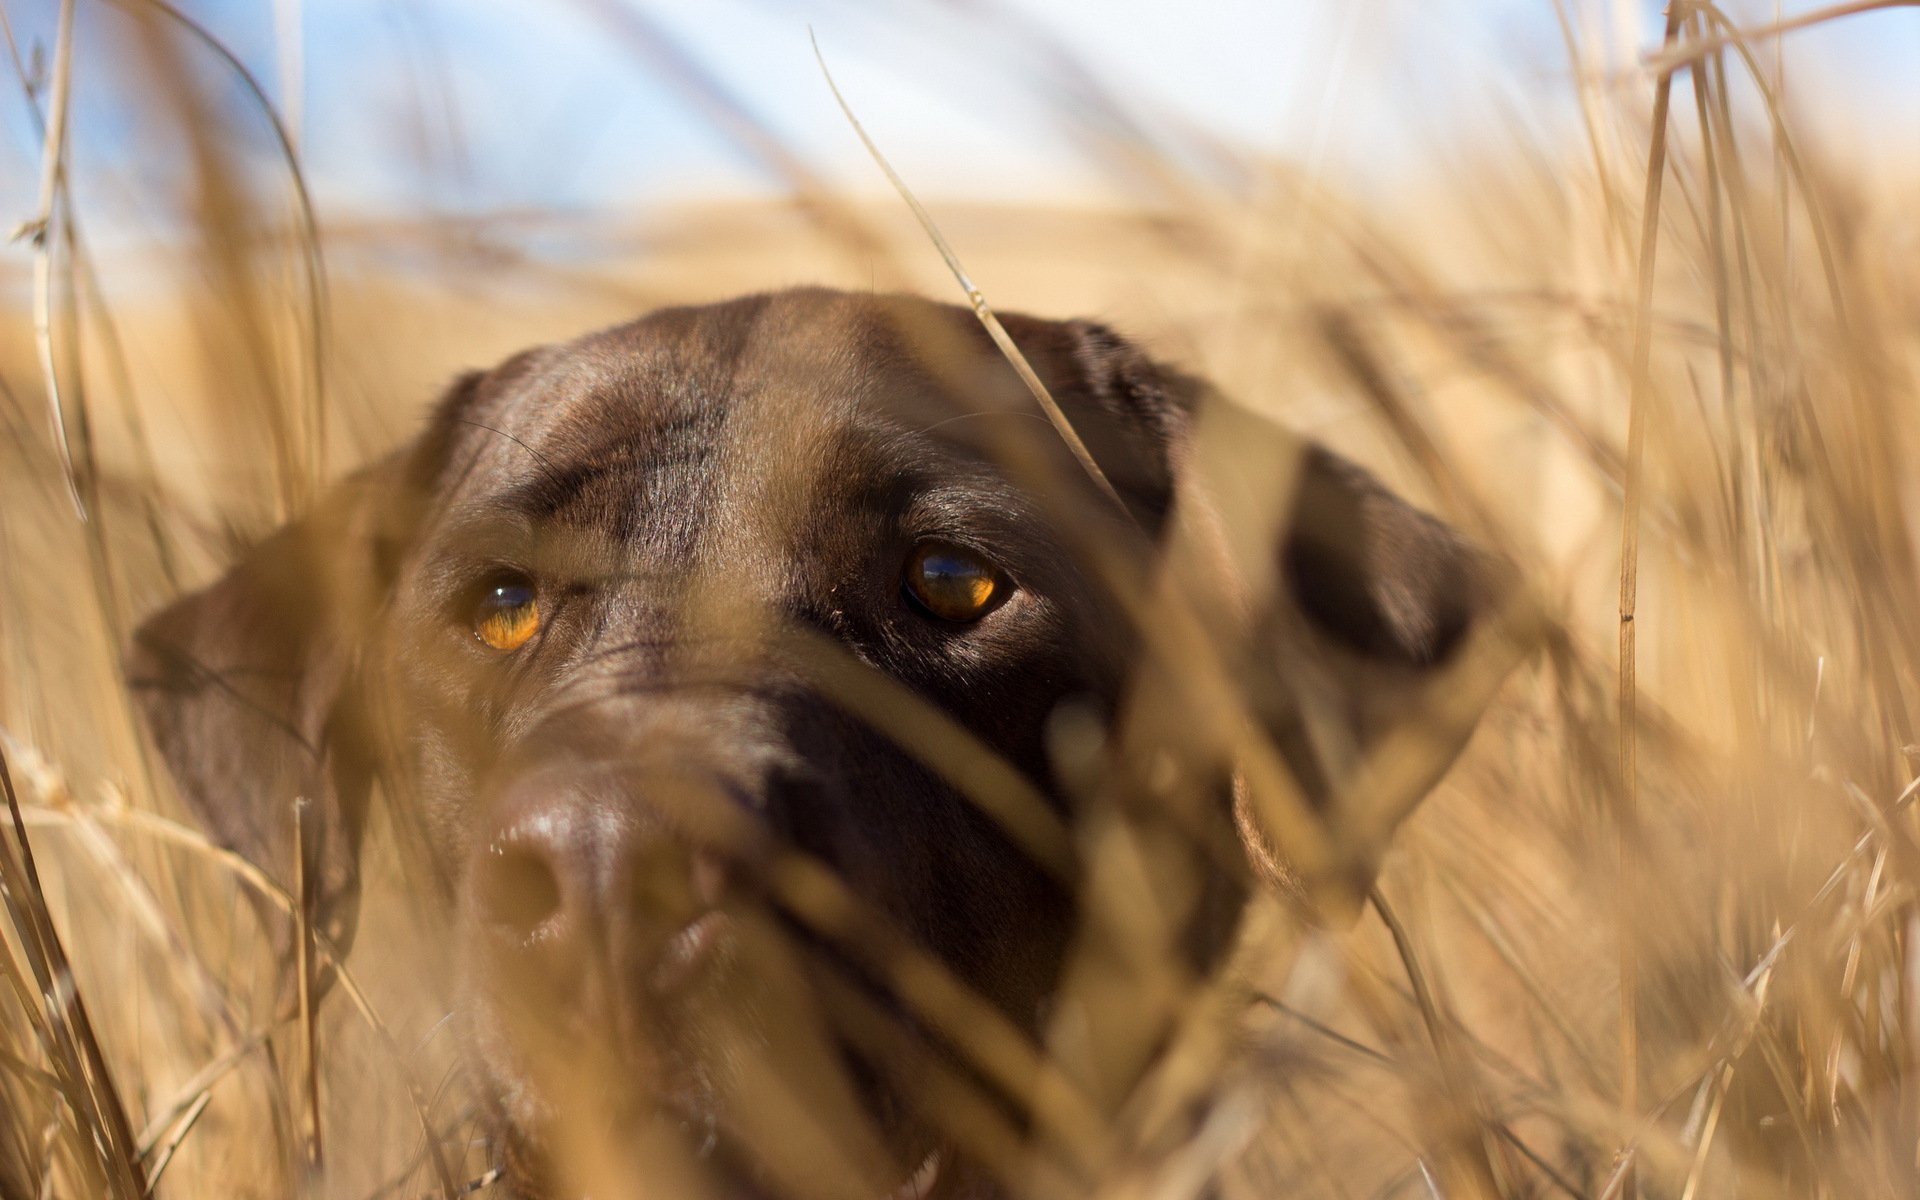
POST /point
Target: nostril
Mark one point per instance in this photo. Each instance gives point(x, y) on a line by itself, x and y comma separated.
point(520, 892)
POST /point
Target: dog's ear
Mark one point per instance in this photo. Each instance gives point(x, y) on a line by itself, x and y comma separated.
point(1133, 414)
point(251, 687)
point(1342, 606)
point(1358, 613)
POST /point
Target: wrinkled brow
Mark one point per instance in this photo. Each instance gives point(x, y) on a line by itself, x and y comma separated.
point(544, 495)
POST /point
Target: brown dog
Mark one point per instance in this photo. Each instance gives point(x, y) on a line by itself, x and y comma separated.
point(760, 686)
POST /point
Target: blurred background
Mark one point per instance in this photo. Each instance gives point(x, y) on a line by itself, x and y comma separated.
point(408, 110)
point(515, 172)
point(1415, 230)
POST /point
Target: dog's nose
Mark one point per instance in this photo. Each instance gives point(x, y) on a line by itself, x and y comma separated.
point(575, 875)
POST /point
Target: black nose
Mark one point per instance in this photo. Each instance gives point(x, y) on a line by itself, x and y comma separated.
point(577, 875)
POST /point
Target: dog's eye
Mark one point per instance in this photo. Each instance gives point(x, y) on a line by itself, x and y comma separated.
point(506, 615)
point(953, 583)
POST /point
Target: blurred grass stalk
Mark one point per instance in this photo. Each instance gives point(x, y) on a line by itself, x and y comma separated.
point(1737, 410)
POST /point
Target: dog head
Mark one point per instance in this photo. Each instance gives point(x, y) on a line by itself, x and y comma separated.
point(747, 681)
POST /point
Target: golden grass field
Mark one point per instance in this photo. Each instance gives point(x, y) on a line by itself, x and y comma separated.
point(1474, 339)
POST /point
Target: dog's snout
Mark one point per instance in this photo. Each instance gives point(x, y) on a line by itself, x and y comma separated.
point(579, 877)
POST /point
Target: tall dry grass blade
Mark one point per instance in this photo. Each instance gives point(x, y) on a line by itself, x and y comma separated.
point(256, 881)
point(290, 63)
point(58, 341)
point(66, 1012)
point(1488, 1173)
point(1866, 479)
point(1719, 1083)
point(975, 297)
point(1755, 517)
point(28, 1071)
point(1669, 60)
point(168, 940)
point(1722, 294)
point(167, 1149)
point(943, 746)
point(1503, 1129)
point(1640, 388)
point(1500, 940)
point(292, 411)
point(1611, 204)
point(40, 230)
point(303, 981)
point(1786, 147)
point(194, 1092)
point(992, 1044)
point(306, 233)
point(672, 63)
point(436, 1156)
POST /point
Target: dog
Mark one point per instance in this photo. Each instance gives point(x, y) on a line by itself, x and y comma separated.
point(759, 687)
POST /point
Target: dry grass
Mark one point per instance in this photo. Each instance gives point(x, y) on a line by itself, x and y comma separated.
point(1481, 340)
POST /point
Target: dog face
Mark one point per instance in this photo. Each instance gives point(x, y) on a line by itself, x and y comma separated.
point(720, 671)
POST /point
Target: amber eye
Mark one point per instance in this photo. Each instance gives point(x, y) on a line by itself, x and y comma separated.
point(953, 583)
point(507, 614)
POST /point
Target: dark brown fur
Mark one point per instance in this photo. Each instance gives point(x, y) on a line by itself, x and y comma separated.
point(715, 503)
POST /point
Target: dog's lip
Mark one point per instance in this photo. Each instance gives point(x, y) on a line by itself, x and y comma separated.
point(919, 1185)
point(688, 951)
point(711, 1150)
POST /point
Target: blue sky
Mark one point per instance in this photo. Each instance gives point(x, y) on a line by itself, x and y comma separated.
point(411, 106)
